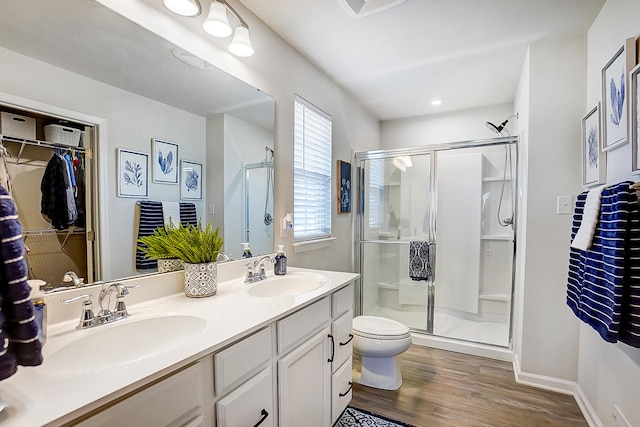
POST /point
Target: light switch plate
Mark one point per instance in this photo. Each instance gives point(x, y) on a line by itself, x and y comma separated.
point(563, 206)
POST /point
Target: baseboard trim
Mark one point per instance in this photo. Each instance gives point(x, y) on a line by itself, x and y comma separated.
point(542, 381)
point(473, 349)
point(588, 411)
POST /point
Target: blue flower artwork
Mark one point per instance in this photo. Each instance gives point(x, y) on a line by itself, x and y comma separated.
point(344, 181)
point(617, 95)
point(165, 165)
point(191, 181)
point(592, 148)
point(133, 174)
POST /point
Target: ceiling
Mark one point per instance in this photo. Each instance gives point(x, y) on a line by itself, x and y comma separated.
point(469, 53)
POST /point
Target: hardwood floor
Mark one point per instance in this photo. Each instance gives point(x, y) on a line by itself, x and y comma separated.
point(443, 388)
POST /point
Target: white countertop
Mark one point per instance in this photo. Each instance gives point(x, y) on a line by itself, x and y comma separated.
point(37, 396)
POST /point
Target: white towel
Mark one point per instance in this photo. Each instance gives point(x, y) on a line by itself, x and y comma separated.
point(590, 216)
point(171, 212)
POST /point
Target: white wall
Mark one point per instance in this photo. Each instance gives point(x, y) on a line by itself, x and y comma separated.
point(609, 374)
point(125, 121)
point(278, 70)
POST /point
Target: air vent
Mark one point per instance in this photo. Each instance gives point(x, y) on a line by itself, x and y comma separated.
point(360, 8)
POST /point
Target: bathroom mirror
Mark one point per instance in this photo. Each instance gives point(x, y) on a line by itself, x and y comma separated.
point(97, 63)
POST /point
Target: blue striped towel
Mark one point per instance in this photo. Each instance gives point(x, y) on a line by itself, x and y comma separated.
point(151, 218)
point(603, 288)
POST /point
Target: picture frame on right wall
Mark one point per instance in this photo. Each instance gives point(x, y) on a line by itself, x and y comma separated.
point(615, 103)
point(634, 77)
point(594, 160)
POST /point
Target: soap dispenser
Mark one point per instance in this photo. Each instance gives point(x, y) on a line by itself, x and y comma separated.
point(247, 252)
point(280, 267)
point(40, 308)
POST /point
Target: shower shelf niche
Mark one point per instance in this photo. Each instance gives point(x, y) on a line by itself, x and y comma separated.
point(497, 237)
point(495, 178)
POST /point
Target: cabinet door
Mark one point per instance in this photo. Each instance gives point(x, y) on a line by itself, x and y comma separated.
point(341, 384)
point(251, 404)
point(341, 329)
point(304, 384)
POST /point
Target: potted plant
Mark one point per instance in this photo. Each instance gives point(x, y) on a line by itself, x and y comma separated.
point(156, 246)
point(197, 247)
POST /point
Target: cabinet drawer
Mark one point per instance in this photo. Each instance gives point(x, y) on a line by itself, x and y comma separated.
point(342, 301)
point(341, 384)
point(343, 338)
point(249, 404)
point(244, 358)
point(302, 324)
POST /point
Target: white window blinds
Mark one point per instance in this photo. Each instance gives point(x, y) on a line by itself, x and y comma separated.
point(376, 193)
point(311, 173)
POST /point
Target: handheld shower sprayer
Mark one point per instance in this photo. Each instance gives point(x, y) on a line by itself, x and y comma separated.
point(502, 127)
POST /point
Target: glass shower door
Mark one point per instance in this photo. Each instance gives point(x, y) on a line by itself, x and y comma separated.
point(396, 209)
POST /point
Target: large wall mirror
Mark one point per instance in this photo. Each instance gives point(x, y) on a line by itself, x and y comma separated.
point(80, 61)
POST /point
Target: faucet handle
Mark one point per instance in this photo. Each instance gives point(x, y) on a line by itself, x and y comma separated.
point(124, 290)
point(87, 319)
point(120, 311)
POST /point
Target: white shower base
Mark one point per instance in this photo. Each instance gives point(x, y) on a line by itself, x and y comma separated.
point(449, 326)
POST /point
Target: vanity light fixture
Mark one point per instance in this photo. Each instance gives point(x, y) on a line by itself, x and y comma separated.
point(183, 7)
point(217, 24)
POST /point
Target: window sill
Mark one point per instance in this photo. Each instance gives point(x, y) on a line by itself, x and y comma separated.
point(313, 244)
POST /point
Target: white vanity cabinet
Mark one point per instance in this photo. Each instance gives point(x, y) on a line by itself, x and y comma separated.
point(177, 400)
point(314, 361)
point(244, 382)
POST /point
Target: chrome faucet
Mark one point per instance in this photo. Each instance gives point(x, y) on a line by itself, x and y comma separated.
point(105, 315)
point(256, 270)
point(72, 277)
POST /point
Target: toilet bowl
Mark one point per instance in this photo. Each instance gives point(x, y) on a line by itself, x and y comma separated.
point(379, 341)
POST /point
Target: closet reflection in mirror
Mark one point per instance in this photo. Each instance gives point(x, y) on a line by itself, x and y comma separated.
point(130, 93)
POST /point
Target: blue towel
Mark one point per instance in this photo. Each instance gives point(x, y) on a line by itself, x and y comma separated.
point(419, 261)
point(603, 288)
point(151, 218)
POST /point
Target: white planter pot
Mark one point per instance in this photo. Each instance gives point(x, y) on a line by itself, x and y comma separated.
point(167, 265)
point(200, 280)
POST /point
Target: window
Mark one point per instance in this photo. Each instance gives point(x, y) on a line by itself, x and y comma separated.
point(376, 193)
point(311, 172)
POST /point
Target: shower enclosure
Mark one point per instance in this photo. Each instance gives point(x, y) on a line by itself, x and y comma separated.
point(458, 199)
point(258, 206)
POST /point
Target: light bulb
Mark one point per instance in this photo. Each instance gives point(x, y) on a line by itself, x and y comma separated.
point(241, 44)
point(183, 7)
point(217, 23)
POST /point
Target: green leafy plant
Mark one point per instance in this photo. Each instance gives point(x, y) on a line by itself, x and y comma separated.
point(191, 244)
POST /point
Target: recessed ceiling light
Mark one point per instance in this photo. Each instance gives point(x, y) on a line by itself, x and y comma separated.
point(436, 102)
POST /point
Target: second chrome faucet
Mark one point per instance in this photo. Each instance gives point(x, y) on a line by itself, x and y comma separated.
point(106, 314)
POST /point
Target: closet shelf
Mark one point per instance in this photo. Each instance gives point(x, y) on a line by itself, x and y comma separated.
point(37, 143)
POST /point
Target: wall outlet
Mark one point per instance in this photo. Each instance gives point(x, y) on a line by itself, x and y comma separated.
point(563, 206)
point(618, 419)
point(211, 209)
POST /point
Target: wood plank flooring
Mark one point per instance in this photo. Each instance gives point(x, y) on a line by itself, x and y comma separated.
point(443, 388)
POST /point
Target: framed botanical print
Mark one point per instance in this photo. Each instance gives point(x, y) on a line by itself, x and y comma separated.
point(344, 187)
point(165, 161)
point(133, 174)
point(190, 180)
point(634, 77)
point(615, 84)
point(593, 159)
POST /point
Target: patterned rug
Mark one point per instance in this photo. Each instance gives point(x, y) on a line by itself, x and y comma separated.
point(359, 417)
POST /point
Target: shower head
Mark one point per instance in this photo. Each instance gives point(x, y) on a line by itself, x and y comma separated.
point(499, 129)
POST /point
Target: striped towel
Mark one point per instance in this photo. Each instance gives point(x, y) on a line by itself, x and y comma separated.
point(151, 218)
point(603, 287)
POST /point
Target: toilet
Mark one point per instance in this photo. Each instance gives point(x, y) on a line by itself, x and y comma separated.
point(379, 341)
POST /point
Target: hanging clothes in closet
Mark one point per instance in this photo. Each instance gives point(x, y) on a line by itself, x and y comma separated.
point(58, 204)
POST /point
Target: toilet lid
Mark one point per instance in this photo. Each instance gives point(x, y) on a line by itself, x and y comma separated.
point(379, 326)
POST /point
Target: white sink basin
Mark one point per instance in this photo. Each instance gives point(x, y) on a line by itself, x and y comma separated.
point(118, 344)
point(292, 284)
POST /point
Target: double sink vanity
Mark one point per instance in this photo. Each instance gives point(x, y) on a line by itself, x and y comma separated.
point(272, 353)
